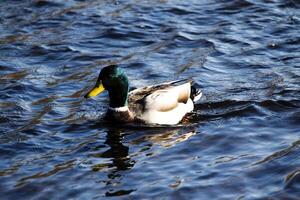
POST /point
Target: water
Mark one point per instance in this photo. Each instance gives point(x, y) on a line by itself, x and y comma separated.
point(244, 137)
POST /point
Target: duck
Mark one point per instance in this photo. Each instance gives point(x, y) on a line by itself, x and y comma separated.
point(163, 104)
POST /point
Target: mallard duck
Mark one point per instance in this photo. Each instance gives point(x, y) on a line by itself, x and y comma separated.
point(165, 103)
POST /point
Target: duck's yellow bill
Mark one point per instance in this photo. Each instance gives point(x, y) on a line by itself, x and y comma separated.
point(95, 91)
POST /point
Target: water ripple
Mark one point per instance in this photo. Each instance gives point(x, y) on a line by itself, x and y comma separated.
point(241, 141)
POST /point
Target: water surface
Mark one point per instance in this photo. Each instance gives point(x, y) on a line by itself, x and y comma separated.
point(244, 137)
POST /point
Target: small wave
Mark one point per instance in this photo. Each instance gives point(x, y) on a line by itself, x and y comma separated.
point(180, 11)
point(289, 4)
point(234, 6)
point(292, 179)
point(279, 154)
point(119, 192)
point(233, 108)
point(280, 104)
point(114, 34)
point(16, 75)
point(56, 169)
point(45, 3)
point(182, 40)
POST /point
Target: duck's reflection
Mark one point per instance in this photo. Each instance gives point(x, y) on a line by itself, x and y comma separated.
point(117, 151)
point(120, 161)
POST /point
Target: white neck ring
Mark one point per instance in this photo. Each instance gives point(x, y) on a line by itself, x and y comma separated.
point(119, 109)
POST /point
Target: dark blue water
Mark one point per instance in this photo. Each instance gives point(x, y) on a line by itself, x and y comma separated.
point(243, 141)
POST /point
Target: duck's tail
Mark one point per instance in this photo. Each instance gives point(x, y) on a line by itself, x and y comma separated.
point(196, 93)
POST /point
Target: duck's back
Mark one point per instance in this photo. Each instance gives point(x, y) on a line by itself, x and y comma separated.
point(162, 104)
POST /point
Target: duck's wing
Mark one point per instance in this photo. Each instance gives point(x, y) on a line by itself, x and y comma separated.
point(162, 97)
point(139, 93)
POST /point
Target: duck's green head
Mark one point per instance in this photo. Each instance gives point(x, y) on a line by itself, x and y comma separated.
point(115, 81)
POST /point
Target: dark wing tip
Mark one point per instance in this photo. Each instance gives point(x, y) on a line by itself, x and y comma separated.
point(195, 91)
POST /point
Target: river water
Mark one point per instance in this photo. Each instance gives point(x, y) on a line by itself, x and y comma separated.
point(243, 139)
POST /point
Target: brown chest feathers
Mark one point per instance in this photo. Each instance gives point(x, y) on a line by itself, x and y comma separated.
point(119, 116)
